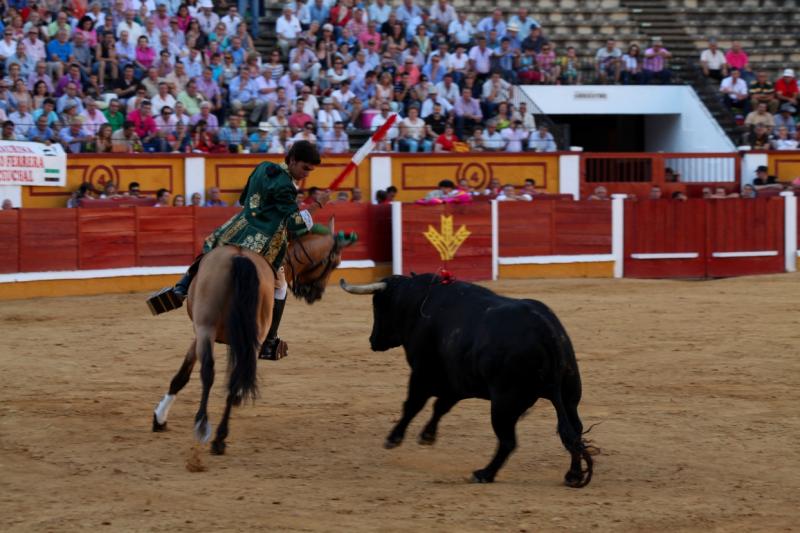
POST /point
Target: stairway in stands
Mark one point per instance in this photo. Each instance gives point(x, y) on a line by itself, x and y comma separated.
point(660, 18)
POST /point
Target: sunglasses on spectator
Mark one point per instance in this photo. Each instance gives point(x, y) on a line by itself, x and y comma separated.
point(166, 113)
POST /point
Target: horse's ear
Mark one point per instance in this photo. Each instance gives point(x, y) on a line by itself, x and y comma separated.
point(332, 224)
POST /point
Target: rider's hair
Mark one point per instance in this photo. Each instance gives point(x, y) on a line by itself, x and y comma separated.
point(304, 152)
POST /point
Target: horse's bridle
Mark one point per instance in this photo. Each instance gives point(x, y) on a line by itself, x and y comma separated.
point(328, 262)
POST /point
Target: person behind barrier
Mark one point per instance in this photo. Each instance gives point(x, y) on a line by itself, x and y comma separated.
point(270, 217)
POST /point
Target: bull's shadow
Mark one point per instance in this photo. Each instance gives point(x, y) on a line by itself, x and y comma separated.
point(464, 341)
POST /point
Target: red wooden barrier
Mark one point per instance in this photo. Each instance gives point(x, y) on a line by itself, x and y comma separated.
point(9, 241)
point(107, 237)
point(554, 228)
point(372, 223)
point(665, 227)
point(48, 239)
point(36, 240)
point(165, 236)
point(745, 236)
point(461, 231)
point(207, 219)
point(715, 238)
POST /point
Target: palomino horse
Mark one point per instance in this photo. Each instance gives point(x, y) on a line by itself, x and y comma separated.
point(230, 302)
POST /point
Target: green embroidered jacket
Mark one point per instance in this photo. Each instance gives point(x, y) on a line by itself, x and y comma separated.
point(269, 214)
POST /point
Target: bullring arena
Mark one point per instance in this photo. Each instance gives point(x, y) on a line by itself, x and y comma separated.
point(633, 164)
point(693, 386)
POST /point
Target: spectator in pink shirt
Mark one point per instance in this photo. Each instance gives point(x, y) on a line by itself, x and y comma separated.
point(737, 58)
point(86, 27)
point(655, 64)
point(145, 56)
point(371, 34)
point(143, 122)
point(161, 17)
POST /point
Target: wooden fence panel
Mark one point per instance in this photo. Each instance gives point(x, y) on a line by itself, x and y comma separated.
point(9, 241)
point(107, 237)
point(48, 240)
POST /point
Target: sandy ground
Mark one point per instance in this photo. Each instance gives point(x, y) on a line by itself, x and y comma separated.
point(694, 384)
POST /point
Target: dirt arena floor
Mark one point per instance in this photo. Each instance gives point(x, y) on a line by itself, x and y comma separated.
point(694, 386)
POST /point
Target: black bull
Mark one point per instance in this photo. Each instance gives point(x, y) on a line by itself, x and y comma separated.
point(464, 341)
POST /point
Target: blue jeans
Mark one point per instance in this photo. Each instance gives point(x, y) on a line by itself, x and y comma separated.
point(255, 14)
point(413, 145)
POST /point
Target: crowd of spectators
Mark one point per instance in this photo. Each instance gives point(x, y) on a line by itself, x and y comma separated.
point(768, 109)
point(166, 76)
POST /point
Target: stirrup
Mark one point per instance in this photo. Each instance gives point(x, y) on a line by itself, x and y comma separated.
point(274, 349)
point(164, 300)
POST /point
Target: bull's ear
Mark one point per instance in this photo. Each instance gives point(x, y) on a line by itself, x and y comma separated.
point(332, 224)
point(413, 274)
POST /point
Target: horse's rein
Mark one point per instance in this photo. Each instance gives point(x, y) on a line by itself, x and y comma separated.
point(327, 261)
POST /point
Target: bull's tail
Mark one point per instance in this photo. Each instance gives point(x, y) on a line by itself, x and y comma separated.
point(242, 330)
point(570, 427)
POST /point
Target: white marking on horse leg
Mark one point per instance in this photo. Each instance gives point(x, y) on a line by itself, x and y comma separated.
point(162, 410)
point(202, 437)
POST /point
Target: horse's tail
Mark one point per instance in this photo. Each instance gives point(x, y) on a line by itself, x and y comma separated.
point(243, 330)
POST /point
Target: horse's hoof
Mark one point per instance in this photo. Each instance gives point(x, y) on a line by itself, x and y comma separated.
point(202, 431)
point(392, 443)
point(218, 448)
point(575, 480)
point(426, 439)
point(157, 428)
point(481, 476)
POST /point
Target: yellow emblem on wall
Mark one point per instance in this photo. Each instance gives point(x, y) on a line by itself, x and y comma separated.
point(447, 243)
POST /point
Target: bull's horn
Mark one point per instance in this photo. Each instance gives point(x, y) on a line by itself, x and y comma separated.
point(369, 288)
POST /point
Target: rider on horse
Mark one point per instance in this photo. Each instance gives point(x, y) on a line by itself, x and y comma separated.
point(269, 216)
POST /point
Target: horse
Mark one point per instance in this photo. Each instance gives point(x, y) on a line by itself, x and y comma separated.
point(230, 301)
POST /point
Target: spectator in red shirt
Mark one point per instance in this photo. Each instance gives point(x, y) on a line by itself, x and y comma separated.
point(340, 16)
point(786, 88)
point(299, 118)
point(446, 141)
point(144, 124)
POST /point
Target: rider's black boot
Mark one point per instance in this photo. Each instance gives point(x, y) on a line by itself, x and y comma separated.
point(273, 347)
point(181, 289)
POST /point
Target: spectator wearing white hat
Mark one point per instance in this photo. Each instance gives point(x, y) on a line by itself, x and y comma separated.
point(206, 17)
point(786, 88)
point(260, 139)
